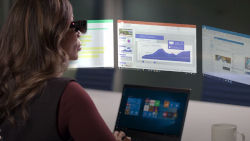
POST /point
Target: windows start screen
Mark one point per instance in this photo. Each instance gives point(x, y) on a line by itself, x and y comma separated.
point(152, 108)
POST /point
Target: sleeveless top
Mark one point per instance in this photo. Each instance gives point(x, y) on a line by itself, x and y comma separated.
point(42, 123)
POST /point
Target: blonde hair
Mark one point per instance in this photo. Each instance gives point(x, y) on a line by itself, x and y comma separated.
point(31, 52)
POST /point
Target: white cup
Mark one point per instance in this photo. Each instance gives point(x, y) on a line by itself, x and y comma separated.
point(225, 132)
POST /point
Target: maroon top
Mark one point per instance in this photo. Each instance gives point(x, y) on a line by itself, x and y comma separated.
point(79, 117)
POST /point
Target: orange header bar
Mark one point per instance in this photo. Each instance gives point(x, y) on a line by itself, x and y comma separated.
point(156, 23)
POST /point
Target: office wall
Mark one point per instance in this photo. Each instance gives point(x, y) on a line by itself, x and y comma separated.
point(4, 8)
point(226, 14)
point(1, 13)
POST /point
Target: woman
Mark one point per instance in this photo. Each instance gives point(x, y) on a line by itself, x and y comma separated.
point(36, 44)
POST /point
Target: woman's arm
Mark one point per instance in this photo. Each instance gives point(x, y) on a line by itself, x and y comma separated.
point(79, 118)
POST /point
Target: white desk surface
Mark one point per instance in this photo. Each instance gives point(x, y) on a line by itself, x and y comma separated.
point(200, 115)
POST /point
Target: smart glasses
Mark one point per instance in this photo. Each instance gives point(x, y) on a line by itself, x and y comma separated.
point(80, 25)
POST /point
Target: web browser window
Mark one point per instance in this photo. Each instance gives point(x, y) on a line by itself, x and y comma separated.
point(226, 54)
point(157, 46)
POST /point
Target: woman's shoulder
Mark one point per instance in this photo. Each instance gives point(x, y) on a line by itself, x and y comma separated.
point(74, 86)
point(74, 91)
point(76, 99)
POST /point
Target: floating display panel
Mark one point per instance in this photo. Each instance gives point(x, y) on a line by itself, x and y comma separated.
point(97, 46)
point(226, 54)
point(157, 46)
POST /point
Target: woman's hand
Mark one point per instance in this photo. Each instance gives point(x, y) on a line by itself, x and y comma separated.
point(121, 136)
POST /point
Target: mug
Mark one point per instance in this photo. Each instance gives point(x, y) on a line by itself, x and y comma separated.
point(225, 132)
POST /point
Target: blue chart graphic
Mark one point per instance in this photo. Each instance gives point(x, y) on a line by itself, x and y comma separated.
point(160, 54)
point(127, 50)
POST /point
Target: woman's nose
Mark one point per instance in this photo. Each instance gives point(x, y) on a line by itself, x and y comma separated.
point(78, 33)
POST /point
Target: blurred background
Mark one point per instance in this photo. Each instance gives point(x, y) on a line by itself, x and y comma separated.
point(230, 15)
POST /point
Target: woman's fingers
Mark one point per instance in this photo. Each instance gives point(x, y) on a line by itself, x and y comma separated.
point(127, 139)
point(116, 134)
point(121, 136)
